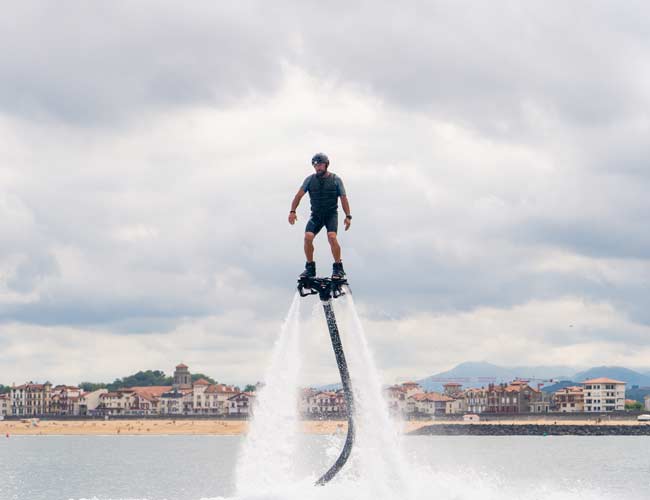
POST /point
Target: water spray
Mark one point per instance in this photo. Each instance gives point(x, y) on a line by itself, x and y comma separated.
point(328, 289)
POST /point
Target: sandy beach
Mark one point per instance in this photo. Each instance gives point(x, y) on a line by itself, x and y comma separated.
point(223, 427)
point(152, 427)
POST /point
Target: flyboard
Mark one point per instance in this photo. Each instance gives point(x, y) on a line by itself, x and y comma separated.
point(328, 289)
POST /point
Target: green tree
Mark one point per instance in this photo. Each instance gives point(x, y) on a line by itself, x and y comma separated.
point(4, 389)
point(91, 386)
point(636, 406)
point(141, 379)
point(250, 388)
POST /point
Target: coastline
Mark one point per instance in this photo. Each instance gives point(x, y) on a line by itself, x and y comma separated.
point(240, 427)
point(134, 427)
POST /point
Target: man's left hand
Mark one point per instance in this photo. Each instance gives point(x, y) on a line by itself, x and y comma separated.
point(347, 223)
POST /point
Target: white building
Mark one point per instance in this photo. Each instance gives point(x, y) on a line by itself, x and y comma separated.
point(241, 404)
point(647, 402)
point(217, 396)
point(604, 395)
point(429, 403)
point(175, 402)
point(89, 401)
point(476, 400)
point(397, 396)
point(115, 402)
point(5, 405)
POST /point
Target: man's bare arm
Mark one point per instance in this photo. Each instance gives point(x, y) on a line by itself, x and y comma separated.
point(345, 204)
point(346, 208)
point(294, 205)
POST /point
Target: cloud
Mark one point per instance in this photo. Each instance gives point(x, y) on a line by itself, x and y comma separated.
point(494, 163)
point(566, 330)
point(90, 65)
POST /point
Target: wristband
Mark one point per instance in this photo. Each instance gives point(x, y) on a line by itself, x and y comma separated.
point(292, 211)
point(349, 217)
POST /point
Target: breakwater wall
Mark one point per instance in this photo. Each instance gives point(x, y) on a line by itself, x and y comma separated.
point(530, 430)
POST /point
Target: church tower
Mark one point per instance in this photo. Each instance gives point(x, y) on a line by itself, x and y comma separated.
point(182, 377)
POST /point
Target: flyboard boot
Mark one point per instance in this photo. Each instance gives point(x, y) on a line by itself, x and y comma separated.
point(309, 272)
point(337, 271)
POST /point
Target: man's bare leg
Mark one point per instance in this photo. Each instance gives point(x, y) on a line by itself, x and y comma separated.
point(309, 246)
point(334, 245)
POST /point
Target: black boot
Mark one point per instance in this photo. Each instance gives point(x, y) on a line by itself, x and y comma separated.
point(337, 271)
point(310, 270)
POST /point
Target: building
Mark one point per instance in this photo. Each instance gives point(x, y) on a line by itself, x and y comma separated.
point(327, 404)
point(89, 401)
point(427, 404)
point(303, 400)
point(31, 399)
point(647, 402)
point(182, 377)
point(604, 395)
point(412, 388)
point(5, 405)
point(65, 400)
point(569, 400)
point(476, 400)
point(515, 397)
point(176, 402)
point(241, 404)
point(453, 389)
point(395, 396)
point(115, 403)
point(211, 399)
point(146, 400)
point(217, 396)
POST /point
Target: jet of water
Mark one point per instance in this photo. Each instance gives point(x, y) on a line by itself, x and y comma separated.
point(268, 453)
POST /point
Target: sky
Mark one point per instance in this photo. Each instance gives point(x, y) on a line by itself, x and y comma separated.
point(495, 156)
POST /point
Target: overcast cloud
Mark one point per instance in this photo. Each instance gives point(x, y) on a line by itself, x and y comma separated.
point(495, 157)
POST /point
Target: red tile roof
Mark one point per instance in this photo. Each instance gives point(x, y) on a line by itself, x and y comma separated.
point(154, 391)
point(431, 396)
point(220, 388)
point(602, 380)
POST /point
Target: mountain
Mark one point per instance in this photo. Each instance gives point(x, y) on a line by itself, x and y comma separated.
point(559, 385)
point(630, 377)
point(477, 374)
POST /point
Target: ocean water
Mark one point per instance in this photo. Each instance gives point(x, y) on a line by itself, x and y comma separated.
point(441, 467)
point(277, 462)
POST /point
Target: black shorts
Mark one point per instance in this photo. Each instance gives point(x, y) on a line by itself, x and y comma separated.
point(317, 221)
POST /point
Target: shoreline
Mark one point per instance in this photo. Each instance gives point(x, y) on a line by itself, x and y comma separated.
point(135, 427)
point(140, 427)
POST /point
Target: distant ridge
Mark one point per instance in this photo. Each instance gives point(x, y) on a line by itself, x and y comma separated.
point(630, 377)
point(478, 374)
point(550, 378)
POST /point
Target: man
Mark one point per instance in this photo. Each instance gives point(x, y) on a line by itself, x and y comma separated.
point(324, 190)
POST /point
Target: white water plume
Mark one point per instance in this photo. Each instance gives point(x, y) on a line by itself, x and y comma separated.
point(270, 462)
point(377, 460)
point(268, 453)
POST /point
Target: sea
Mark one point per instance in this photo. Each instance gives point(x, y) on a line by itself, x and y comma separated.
point(441, 467)
point(276, 461)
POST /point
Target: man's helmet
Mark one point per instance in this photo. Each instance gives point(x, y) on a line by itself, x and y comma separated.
point(320, 158)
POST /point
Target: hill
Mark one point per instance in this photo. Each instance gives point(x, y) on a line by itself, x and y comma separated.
point(477, 374)
point(630, 377)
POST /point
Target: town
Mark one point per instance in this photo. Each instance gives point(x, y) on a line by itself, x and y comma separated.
point(187, 397)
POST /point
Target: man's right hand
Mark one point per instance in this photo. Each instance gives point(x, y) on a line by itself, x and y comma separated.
point(292, 218)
